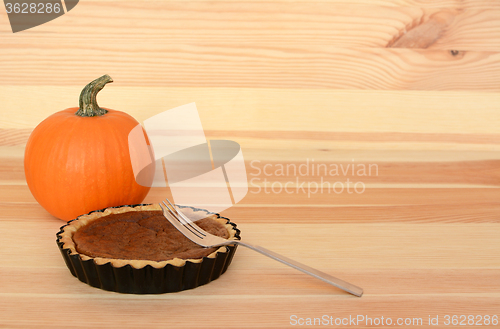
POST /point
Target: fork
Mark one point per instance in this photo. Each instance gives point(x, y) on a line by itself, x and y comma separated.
point(199, 236)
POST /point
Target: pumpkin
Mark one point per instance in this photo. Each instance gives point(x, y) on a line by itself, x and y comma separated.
point(77, 160)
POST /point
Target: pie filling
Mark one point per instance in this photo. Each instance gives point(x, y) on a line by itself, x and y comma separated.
point(141, 235)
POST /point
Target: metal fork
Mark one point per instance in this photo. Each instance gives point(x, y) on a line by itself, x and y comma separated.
point(199, 236)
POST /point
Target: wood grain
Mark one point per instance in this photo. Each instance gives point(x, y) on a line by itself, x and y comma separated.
point(279, 24)
point(346, 69)
point(279, 45)
point(274, 109)
point(411, 87)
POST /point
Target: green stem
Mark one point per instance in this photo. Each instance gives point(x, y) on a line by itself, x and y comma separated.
point(88, 98)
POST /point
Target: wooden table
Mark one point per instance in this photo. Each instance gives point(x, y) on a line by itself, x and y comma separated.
point(407, 89)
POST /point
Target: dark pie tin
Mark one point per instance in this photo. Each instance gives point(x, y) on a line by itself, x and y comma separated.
point(148, 280)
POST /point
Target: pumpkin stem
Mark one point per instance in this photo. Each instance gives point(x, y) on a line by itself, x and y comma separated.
point(88, 98)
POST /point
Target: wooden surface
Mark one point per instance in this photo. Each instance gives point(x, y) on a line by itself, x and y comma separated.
point(410, 87)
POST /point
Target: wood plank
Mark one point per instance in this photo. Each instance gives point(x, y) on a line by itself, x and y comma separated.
point(333, 177)
point(15, 137)
point(478, 213)
point(372, 197)
point(274, 47)
point(274, 281)
point(273, 312)
point(328, 246)
point(324, 213)
point(20, 194)
point(335, 68)
point(281, 110)
point(272, 26)
point(372, 206)
point(480, 4)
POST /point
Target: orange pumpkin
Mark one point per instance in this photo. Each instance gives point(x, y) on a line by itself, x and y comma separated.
point(77, 160)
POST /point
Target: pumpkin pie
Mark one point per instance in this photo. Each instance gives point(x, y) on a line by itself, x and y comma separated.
point(134, 249)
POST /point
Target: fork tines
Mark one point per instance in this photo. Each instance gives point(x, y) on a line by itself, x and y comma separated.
point(183, 220)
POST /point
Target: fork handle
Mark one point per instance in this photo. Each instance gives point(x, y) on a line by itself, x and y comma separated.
point(341, 284)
